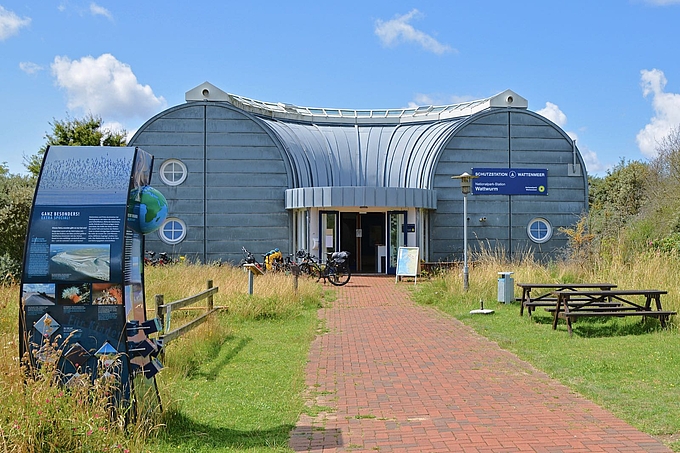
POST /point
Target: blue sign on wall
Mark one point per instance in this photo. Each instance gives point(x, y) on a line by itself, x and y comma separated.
point(510, 181)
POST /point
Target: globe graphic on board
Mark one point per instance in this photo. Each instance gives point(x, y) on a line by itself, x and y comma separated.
point(147, 209)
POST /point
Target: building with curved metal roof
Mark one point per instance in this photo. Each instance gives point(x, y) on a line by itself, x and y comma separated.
point(241, 172)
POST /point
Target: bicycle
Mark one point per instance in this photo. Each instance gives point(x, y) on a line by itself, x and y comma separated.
point(336, 270)
point(272, 261)
point(306, 262)
point(162, 259)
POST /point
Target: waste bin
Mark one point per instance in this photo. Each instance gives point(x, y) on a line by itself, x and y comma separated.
point(506, 287)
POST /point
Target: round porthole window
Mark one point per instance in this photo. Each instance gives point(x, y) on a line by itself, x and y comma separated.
point(539, 230)
point(173, 172)
point(172, 231)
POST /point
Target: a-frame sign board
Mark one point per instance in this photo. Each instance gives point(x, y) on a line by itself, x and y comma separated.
point(82, 281)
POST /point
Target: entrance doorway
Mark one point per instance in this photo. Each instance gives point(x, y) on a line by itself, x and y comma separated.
point(363, 235)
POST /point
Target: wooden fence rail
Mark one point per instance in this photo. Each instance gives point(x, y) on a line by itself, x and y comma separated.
point(164, 312)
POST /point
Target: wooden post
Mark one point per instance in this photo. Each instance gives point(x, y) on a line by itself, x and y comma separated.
point(295, 270)
point(210, 297)
point(251, 277)
point(160, 310)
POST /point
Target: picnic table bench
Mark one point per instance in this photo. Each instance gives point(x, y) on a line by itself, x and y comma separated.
point(613, 302)
point(547, 298)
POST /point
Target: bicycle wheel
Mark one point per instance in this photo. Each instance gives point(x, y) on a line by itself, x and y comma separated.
point(315, 271)
point(339, 275)
point(305, 269)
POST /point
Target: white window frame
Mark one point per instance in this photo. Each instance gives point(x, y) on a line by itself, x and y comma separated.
point(170, 241)
point(546, 224)
point(174, 163)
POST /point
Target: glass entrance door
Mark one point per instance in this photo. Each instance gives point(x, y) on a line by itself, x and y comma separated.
point(396, 238)
point(329, 233)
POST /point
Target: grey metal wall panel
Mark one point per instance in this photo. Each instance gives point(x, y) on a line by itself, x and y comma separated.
point(229, 220)
point(544, 131)
point(542, 143)
point(248, 140)
point(271, 194)
point(223, 111)
point(277, 236)
point(511, 141)
point(251, 153)
point(532, 120)
point(263, 167)
point(253, 207)
point(184, 206)
point(236, 170)
point(180, 112)
point(192, 156)
point(171, 125)
point(236, 125)
point(186, 139)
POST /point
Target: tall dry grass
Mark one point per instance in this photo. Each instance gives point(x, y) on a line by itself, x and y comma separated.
point(274, 294)
point(644, 270)
point(37, 414)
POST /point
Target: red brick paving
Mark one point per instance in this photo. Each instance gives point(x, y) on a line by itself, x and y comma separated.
point(391, 376)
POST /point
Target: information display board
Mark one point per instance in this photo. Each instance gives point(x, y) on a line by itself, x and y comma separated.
point(82, 280)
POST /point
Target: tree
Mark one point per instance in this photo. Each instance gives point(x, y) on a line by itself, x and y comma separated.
point(76, 132)
point(16, 198)
point(664, 186)
point(619, 196)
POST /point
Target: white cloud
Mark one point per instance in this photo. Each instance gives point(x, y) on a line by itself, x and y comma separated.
point(593, 164)
point(30, 68)
point(666, 111)
point(10, 23)
point(116, 127)
point(112, 126)
point(554, 114)
point(105, 86)
point(398, 30)
point(421, 99)
point(662, 2)
point(98, 10)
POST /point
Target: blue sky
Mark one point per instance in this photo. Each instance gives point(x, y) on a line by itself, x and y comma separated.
point(607, 72)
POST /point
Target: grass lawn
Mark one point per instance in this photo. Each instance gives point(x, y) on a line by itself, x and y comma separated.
point(246, 398)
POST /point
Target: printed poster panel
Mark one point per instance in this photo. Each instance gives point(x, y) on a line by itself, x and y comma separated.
point(75, 243)
point(85, 176)
point(510, 181)
point(408, 261)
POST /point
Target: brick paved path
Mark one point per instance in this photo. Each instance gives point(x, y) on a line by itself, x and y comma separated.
point(392, 376)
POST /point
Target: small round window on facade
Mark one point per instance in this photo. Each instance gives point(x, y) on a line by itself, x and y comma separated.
point(172, 231)
point(539, 230)
point(173, 172)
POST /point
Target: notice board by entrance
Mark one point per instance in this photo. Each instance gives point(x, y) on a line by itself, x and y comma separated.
point(408, 262)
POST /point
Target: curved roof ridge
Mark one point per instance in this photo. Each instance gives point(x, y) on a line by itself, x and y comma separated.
point(290, 112)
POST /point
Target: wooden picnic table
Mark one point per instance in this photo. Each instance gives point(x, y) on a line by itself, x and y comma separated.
point(547, 298)
point(614, 302)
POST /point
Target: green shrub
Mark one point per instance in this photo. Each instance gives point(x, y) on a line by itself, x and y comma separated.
point(10, 270)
